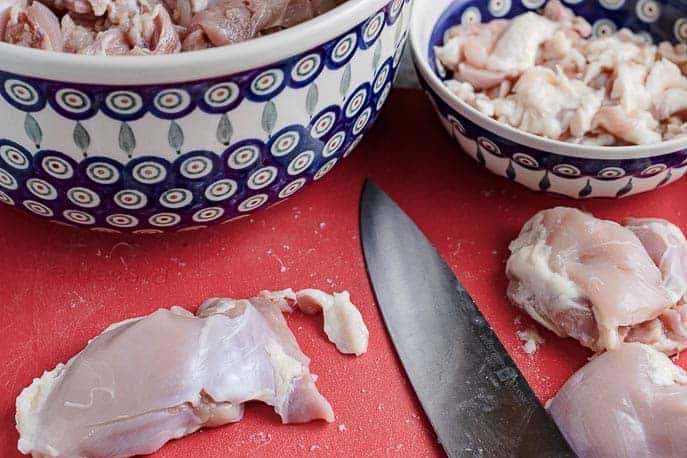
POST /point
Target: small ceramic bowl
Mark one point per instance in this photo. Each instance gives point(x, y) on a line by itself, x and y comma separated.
point(168, 143)
point(577, 171)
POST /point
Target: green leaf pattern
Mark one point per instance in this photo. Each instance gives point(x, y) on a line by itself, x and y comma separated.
point(33, 130)
point(377, 56)
point(127, 140)
point(224, 130)
point(311, 99)
point(175, 136)
point(269, 117)
point(82, 139)
point(345, 84)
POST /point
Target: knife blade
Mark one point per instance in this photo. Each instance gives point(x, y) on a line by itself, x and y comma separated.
point(477, 401)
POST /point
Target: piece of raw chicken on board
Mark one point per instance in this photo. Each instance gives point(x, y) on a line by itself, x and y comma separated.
point(600, 282)
point(626, 403)
point(145, 381)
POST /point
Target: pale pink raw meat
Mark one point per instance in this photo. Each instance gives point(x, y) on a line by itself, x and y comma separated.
point(667, 333)
point(549, 104)
point(153, 33)
point(74, 6)
point(584, 277)
point(225, 22)
point(112, 42)
point(136, 33)
point(144, 27)
point(343, 323)
point(545, 74)
point(664, 75)
point(673, 102)
point(479, 77)
point(195, 40)
point(675, 128)
point(516, 49)
point(674, 53)
point(628, 87)
point(76, 37)
point(666, 245)
point(6, 7)
point(559, 52)
point(145, 381)
point(268, 14)
point(471, 43)
point(638, 127)
point(626, 403)
point(555, 11)
point(33, 26)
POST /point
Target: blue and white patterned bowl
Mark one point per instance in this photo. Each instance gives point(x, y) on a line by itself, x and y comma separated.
point(577, 171)
point(168, 143)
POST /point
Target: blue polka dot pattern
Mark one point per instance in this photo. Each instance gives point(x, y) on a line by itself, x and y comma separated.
point(24, 94)
point(151, 193)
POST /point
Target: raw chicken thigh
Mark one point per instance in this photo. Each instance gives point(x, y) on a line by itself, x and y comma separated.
point(543, 74)
point(628, 402)
point(602, 283)
point(583, 277)
point(148, 380)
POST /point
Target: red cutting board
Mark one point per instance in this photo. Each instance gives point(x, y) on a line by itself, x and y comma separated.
point(59, 287)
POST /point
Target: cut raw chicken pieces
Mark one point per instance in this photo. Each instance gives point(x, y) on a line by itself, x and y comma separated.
point(145, 381)
point(628, 402)
point(600, 282)
point(543, 74)
point(143, 27)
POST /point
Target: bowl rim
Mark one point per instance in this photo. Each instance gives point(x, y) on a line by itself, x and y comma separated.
point(420, 56)
point(191, 65)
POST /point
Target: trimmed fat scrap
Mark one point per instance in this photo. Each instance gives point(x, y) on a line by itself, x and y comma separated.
point(343, 323)
point(148, 380)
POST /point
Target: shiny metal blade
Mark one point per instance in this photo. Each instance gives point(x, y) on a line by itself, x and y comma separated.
point(476, 399)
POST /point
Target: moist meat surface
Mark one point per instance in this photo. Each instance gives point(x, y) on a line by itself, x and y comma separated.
point(600, 282)
point(626, 403)
point(545, 74)
point(145, 381)
point(143, 27)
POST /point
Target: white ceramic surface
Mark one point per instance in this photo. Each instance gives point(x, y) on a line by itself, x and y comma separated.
point(160, 143)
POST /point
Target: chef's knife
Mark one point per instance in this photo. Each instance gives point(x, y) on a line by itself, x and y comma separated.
point(476, 399)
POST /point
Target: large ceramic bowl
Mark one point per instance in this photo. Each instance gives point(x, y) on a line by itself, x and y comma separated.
point(161, 143)
point(542, 164)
